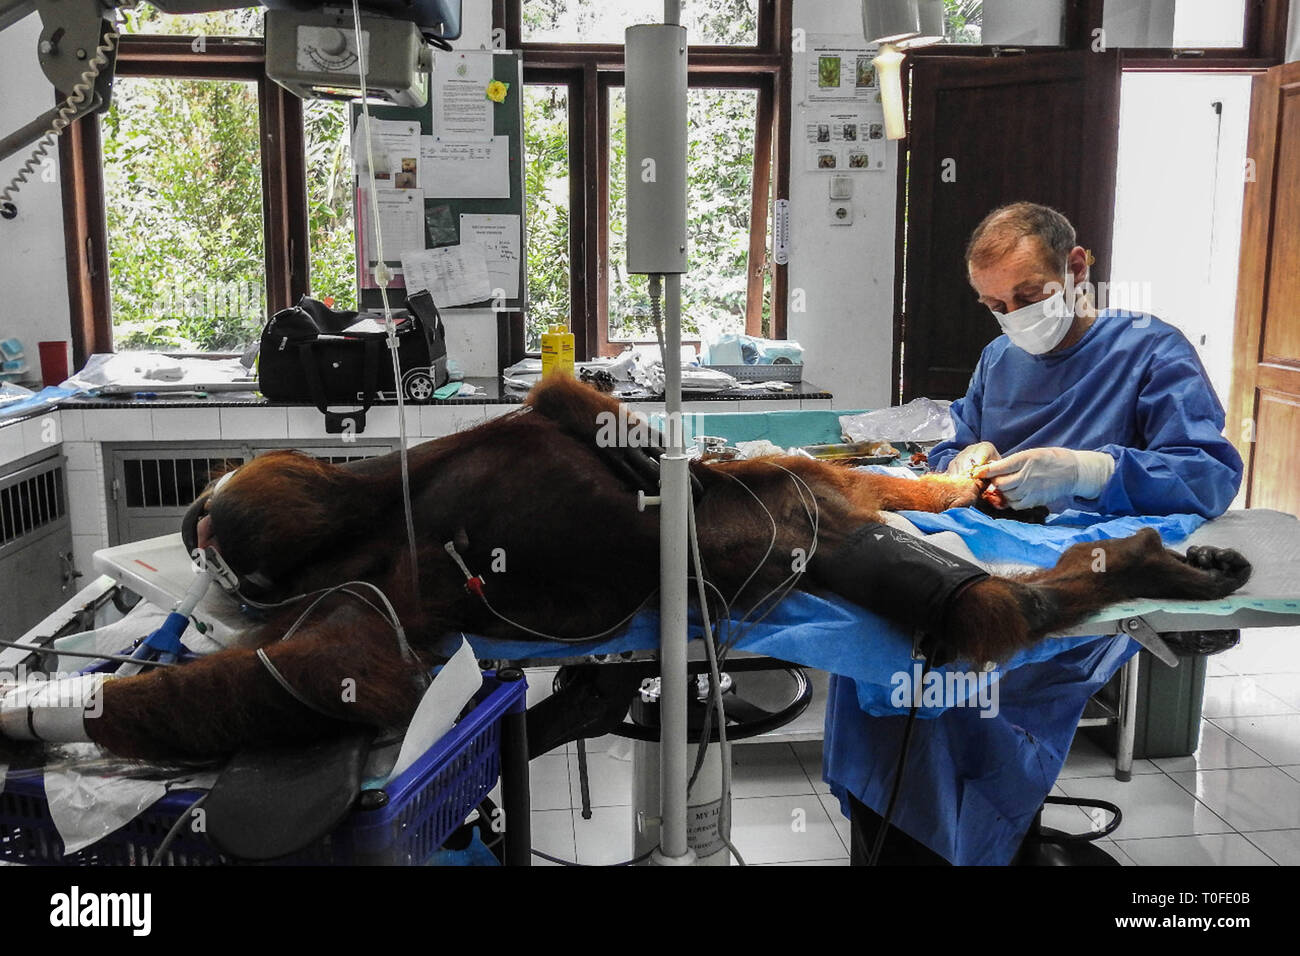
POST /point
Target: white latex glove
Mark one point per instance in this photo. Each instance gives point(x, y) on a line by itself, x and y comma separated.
point(1041, 476)
point(970, 457)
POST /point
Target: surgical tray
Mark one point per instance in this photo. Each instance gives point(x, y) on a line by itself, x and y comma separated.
point(418, 811)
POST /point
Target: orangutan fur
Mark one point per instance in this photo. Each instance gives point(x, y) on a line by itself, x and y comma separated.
point(534, 490)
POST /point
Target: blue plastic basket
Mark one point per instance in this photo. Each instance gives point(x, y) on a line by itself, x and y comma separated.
point(424, 805)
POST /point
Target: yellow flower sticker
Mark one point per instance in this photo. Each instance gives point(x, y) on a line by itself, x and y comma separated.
point(496, 91)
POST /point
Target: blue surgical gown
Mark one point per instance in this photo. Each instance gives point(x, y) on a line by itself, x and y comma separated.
point(1132, 387)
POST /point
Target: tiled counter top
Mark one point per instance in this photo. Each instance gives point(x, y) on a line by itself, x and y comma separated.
point(247, 416)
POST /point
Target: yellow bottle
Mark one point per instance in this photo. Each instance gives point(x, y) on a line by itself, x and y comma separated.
point(557, 350)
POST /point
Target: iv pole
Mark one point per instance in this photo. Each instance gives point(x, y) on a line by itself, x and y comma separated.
point(656, 245)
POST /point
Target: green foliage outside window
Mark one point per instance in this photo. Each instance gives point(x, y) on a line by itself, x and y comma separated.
point(183, 194)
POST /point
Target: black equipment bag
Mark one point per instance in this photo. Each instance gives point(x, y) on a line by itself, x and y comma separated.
point(307, 355)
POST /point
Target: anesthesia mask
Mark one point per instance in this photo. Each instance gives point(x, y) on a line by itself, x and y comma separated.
point(1038, 328)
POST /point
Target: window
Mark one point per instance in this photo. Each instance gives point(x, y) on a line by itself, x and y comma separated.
point(740, 90)
point(708, 22)
point(1180, 24)
point(546, 192)
point(331, 239)
point(963, 21)
point(148, 19)
point(720, 170)
point(188, 201)
point(182, 172)
point(183, 202)
point(1222, 34)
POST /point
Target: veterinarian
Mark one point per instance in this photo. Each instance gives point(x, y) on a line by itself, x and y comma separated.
point(1109, 413)
point(1105, 412)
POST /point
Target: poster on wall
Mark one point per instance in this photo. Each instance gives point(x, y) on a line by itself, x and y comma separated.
point(839, 72)
point(850, 138)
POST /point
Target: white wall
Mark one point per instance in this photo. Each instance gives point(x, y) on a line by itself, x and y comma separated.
point(845, 272)
point(33, 280)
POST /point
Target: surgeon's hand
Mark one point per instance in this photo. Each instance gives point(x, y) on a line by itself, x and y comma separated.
point(1041, 476)
point(970, 458)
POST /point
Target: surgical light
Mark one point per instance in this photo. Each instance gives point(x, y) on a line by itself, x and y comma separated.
point(898, 25)
point(890, 21)
point(931, 24)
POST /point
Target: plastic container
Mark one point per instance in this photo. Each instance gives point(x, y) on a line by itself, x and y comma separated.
point(557, 351)
point(417, 812)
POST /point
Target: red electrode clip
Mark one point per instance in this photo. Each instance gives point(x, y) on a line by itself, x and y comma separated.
point(473, 583)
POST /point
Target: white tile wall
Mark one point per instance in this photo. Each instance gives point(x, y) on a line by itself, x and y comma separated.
point(41, 434)
point(80, 455)
point(711, 408)
point(307, 423)
point(87, 507)
point(72, 421)
point(767, 405)
point(247, 424)
point(119, 424)
point(85, 503)
point(439, 420)
point(382, 422)
point(84, 547)
point(11, 443)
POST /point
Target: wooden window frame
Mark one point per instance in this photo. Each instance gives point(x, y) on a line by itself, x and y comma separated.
point(589, 71)
point(1263, 42)
point(284, 179)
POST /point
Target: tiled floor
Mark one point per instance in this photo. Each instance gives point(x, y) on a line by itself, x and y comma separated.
point(1236, 801)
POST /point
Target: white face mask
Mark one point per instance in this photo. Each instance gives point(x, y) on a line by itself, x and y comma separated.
point(1040, 327)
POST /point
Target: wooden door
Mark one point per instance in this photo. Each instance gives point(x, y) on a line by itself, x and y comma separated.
point(985, 132)
point(1265, 415)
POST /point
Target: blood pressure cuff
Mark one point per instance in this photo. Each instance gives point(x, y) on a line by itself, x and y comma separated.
point(901, 576)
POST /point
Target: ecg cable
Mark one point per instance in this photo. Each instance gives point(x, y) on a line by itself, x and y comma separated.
point(474, 585)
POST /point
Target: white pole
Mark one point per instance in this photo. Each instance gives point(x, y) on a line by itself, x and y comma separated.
point(675, 485)
point(656, 246)
point(674, 480)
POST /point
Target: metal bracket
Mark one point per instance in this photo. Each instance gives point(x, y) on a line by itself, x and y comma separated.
point(1145, 634)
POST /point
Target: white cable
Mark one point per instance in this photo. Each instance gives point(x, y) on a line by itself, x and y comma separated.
point(770, 545)
point(568, 640)
point(346, 587)
point(382, 276)
point(80, 92)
